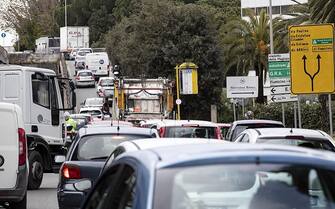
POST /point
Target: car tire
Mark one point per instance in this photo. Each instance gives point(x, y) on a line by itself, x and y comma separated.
point(19, 205)
point(35, 170)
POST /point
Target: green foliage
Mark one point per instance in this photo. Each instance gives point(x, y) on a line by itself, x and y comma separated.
point(164, 34)
point(246, 47)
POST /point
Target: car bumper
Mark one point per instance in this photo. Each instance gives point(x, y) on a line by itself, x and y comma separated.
point(19, 191)
point(85, 83)
point(70, 199)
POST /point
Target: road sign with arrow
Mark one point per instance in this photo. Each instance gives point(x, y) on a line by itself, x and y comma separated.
point(242, 87)
point(280, 83)
point(312, 59)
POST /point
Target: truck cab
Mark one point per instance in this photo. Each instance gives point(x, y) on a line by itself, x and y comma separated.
point(38, 92)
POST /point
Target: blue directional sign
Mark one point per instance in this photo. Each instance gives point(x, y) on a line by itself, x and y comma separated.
point(3, 35)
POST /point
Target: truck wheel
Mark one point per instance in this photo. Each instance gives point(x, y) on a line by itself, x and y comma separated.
point(35, 170)
point(19, 205)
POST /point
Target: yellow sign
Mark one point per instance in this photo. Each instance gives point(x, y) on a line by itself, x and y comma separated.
point(188, 78)
point(312, 59)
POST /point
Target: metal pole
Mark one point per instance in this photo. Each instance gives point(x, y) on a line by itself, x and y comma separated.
point(65, 13)
point(330, 115)
point(283, 112)
point(295, 114)
point(299, 112)
point(178, 95)
point(243, 111)
point(271, 27)
point(234, 109)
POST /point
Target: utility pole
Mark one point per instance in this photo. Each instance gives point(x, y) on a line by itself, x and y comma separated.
point(65, 13)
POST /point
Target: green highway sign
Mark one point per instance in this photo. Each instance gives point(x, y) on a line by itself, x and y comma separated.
point(322, 41)
point(279, 69)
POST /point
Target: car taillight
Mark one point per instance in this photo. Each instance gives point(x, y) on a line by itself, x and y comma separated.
point(22, 146)
point(70, 171)
point(161, 132)
point(218, 133)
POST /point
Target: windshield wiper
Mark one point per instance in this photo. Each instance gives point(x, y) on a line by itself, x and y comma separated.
point(99, 158)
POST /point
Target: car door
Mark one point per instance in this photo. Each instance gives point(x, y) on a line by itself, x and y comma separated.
point(115, 189)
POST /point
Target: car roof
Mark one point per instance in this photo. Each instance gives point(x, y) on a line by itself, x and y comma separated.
point(106, 78)
point(94, 98)
point(90, 108)
point(150, 143)
point(97, 54)
point(91, 130)
point(224, 125)
point(282, 132)
point(24, 68)
point(167, 123)
point(241, 122)
point(184, 155)
point(80, 115)
point(109, 122)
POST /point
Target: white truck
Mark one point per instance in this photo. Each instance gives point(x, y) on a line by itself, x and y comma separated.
point(38, 92)
point(74, 37)
point(47, 45)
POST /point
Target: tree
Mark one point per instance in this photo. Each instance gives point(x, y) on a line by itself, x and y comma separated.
point(164, 34)
point(246, 47)
point(322, 11)
point(31, 19)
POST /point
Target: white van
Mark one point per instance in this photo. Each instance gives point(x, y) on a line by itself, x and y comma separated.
point(98, 63)
point(13, 157)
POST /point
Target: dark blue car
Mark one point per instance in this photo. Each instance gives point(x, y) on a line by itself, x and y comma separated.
point(215, 176)
point(86, 157)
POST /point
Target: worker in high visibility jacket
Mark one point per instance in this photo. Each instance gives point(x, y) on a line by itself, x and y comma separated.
point(70, 122)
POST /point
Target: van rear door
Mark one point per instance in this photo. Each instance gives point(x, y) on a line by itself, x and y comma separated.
point(9, 146)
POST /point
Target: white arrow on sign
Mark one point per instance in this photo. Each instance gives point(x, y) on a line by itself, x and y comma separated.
point(280, 90)
point(283, 98)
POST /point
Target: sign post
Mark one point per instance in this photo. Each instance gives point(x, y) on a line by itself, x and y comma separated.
point(280, 83)
point(3, 35)
point(312, 60)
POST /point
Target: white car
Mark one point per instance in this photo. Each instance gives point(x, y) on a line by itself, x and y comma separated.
point(13, 157)
point(288, 136)
point(80, 57)
point(105, 87)
point(98, 63)
point(95, 112)
point(85, 78)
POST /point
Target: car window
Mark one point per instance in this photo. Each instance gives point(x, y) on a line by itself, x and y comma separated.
point(321, 144)
point(85, 74)
point(100, 146)
point(238, 139)
point(115, 191)
point(190, 132)
point(91, 112)
point(245, 138)
point(246, 186)
point(240, 128)
point(107, 82)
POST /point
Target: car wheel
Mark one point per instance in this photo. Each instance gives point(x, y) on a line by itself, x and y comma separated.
point(35, 170)
point(19, 205)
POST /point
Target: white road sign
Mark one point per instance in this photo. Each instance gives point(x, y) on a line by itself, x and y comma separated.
point(242, 87)
point(283, 98)
point(280, 90)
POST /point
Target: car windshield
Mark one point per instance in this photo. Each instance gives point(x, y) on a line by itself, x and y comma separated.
point(83, 53)
point(315, 144)
point(94, 102)
point(244, 186)
point(100, 146)
point(240, 128)
point(107, 82)
point(190, 132)
point(85, 74)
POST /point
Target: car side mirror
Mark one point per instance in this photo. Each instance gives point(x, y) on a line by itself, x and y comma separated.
point(59, 158)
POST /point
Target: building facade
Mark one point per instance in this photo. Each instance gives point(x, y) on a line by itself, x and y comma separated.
point(279, 7)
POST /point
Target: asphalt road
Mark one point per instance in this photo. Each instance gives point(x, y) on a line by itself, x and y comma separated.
point(46, 196)
point(82, 93)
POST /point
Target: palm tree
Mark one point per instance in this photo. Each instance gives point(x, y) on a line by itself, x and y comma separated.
point(299, 14)
point(246, 47)
point(322, 11)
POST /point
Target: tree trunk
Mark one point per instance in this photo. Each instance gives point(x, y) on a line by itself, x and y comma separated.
point(259, 73)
